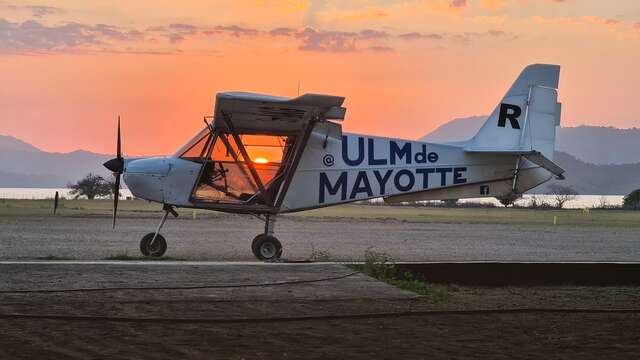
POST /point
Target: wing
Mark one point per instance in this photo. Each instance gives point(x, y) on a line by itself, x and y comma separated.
point(253, 113)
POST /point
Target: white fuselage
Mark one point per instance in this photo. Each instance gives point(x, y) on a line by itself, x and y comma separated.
point(358, 167)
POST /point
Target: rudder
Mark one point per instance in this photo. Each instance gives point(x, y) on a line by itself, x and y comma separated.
point(526, 118)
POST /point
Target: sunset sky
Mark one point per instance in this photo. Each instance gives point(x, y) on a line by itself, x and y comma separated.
point(68, 68)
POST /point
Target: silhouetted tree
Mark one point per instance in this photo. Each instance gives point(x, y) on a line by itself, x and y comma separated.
point(91, 186)
point(632, 200)
point(562, 194)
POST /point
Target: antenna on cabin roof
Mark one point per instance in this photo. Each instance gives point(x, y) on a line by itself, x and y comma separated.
point(298, 87)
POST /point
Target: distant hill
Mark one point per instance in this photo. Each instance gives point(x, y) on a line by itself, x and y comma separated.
point(24, 165)
point(9, 143)
point(456, 130)
point(591, 179)
point(592, 144)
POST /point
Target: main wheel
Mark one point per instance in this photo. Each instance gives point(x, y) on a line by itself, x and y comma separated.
point(266, 247)
point(157, 249)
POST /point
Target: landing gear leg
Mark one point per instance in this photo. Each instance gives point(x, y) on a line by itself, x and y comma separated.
point(154, 244)
point(265, 246)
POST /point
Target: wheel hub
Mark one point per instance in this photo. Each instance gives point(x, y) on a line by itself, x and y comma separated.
point(268, 250)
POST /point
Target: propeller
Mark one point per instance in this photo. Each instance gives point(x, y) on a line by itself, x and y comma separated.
point(116, 165)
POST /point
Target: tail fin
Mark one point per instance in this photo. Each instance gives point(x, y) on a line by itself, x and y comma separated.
point(525, 120)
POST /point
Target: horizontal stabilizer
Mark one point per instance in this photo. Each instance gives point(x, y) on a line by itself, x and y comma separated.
point(495, 150)
point(539, 159)
point(535, 157)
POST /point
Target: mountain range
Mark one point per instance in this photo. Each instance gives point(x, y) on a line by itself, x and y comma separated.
point(597, 160)
point(24, 165)
point(591, 179)
point(592, 144)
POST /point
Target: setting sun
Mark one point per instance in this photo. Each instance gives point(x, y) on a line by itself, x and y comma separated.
point(260, 160)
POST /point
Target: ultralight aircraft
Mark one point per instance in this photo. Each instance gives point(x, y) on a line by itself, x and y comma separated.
point(265, 155)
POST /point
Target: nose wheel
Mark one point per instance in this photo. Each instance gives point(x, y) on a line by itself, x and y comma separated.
point(153, 247)
point(154, 244)
point(267, 247)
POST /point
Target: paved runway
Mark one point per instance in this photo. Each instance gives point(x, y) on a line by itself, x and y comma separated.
point(228, 238)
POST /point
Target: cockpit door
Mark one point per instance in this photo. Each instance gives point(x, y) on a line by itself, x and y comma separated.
point(242, 168)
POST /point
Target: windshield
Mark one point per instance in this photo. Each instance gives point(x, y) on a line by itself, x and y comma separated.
point(200, 139)
point(228, 175)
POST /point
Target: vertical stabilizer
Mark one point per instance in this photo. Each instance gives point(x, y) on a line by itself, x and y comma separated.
point(526, 118)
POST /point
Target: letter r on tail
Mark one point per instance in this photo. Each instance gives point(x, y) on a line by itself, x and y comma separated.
point(511, 112)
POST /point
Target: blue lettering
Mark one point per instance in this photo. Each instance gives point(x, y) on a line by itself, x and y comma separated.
point(425, 176)
point(432, 157)
point(345, 151)
point(372, 155)
point(340, 185)
point(421, 156)
point(409, 175)
point(361, 185)
point(382, 181)
point(443, 175)
point(399, 152)
point(457, 175)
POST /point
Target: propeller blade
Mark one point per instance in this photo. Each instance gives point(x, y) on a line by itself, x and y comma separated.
point(118, 146)
point(116, 196)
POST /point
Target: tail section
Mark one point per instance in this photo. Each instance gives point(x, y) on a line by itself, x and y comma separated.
point(525, 120)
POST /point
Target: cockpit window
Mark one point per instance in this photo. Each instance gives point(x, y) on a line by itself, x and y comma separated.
point(202, 134)
point(227, 175)
point(198, 150)
point(265, 149)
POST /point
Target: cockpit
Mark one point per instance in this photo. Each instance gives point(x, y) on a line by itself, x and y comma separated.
point(249, 150)
point(237, 168)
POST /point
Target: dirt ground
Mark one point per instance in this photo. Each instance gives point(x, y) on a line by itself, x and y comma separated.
point(342, 233)
point(352, 317)
point(523, 336)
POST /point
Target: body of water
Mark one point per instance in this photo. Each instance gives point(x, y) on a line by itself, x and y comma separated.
point(40, 193)
point(581, 201)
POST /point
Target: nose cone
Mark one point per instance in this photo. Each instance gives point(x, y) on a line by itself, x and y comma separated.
point(158, 166)
point(116, 165)
point(145, 177)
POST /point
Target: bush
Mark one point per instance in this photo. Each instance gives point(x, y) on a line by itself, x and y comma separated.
point(632, 200)
point(562, 194)
point(91, 186)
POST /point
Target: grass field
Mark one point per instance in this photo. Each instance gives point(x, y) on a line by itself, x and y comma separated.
point(138, 208)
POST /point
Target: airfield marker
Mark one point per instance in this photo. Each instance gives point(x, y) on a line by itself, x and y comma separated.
point(555, 220)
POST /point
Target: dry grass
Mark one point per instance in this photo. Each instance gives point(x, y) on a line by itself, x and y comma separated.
point(140, 208)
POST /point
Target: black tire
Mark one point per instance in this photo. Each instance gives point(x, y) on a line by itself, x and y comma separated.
point(266, 248)
point(157, 249)
point(254, 242)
